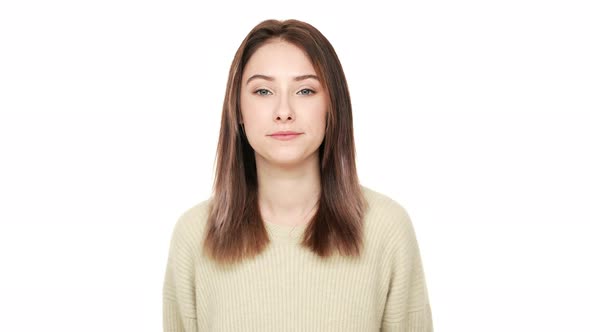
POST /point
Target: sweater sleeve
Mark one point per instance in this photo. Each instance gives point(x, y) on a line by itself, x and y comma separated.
point(407, 308)
point(179, 311)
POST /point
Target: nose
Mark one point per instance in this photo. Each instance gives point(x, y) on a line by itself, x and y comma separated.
point(284, 111)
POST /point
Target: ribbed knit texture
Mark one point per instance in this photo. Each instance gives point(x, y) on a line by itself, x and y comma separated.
point(288, 288)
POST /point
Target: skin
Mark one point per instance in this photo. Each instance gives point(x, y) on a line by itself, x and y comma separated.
point(288, 171)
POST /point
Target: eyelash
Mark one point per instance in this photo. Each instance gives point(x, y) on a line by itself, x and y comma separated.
point(311, 92)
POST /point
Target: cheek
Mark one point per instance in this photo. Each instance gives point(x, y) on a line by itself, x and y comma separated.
point(253, 116)
point(245, 103)
point(254, 105)
point(318, 111)
point(249, 109)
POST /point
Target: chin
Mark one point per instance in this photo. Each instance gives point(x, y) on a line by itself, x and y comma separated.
point(285, 159)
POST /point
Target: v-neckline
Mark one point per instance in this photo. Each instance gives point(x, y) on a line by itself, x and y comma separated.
point(284, 233)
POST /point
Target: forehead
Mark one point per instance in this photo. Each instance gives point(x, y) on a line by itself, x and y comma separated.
point(279, 58)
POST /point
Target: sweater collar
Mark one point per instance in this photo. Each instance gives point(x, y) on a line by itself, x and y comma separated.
point(284, 233)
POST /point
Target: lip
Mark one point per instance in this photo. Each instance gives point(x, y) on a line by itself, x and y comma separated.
point(285, 135)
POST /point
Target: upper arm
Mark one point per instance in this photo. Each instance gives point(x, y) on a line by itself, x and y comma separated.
point(407, 306)
point(178, 294)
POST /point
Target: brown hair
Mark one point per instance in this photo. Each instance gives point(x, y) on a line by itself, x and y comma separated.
point(235, 229)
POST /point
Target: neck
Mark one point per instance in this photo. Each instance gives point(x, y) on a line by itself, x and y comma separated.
point(288, 194)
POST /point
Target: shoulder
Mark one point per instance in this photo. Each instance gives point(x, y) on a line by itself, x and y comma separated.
point(382, 206)
point(191, 222)
point(196, 212)
point(386, 217)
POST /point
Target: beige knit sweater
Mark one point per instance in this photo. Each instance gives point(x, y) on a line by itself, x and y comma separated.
point(287, 288)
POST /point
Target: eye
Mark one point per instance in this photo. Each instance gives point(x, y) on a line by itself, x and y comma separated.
point(307, 92)
point(262, 92)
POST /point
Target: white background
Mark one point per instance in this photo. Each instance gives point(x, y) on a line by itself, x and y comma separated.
point(473, 115)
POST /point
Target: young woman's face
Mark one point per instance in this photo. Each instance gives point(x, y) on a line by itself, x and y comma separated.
point(280, 91)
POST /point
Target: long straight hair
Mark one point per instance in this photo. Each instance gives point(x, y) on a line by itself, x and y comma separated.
point(235, 229)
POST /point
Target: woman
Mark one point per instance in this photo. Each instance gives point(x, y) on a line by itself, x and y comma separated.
point(289, 240)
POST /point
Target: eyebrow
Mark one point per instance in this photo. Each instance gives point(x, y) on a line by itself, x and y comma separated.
point(270, 78)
